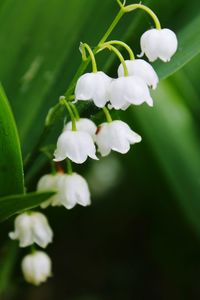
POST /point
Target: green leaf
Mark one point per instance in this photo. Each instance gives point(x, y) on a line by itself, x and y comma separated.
point(15, 204)
point(172, 134)
point(11, 169)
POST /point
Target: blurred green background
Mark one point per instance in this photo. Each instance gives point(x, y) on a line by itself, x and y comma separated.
point(140, 239)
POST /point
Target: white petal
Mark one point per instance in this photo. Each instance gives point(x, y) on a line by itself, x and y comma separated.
point(116, 92)
point(159, 43)
point(73, 190)
point(149, 43)
point(137, 91)
point(76, 145)
point(85, 87)
point(102, 139)
point(83, 124)
point(23, 231)
point(48, 182)
point(168, 44)
point(142, 69)
point(42, 232)
point(93, 86)
point(116, 136)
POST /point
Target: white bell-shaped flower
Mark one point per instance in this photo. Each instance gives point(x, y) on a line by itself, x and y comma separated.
point(36, 267)
point(159, 43)
point(49, 182)
point(142, 69)
point(75, 145)
point(129, 90)
point(71, 189)
point(117, 136)
point(32, 227)
point(83, 124)
point(93, 86)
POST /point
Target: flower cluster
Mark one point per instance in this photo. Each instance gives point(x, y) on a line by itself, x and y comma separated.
point(32, 227)
point(81, 138)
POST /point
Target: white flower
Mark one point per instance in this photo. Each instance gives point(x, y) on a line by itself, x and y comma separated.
point(93, 86)
point(159, 43)
point(32, 227)
point(83, 124)
point(75, 145)
point(129, 90)
point(142, 69)
point(71, 189)
point(117, 136)
point(36, 267)
point(49, 182)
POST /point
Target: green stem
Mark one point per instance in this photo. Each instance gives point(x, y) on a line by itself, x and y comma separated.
point(69, 166)
point(63, 101)
point(119, 55)
point(75, 111)
point(107, 114)
point(84, 64)
point(132, 7)
point(120, 43)
point(112, 26)
point(84, 47)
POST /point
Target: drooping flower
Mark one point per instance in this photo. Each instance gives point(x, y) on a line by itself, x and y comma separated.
point(71, 189)
point(32, 227)
point(93, 86)
point(129, 90)
point(159, 43)
point(83, 124)
point(75, 145)
point(142, 69)
point(49, 182)
point(36, 267)
point(117, 136)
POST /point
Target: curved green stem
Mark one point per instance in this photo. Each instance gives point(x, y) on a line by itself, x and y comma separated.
point(63, 101)
point(107, 114)
point(75, 111)
point(84, 47)
point(132, 7)
point(120, 43)
point(118, 53)
point(69, 166)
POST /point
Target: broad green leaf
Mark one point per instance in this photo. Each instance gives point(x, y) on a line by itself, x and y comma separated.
point(171, 132)
point(15, 204)
point(11, 170)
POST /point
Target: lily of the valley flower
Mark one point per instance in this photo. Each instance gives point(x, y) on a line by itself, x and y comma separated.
point(49, 182)
point(71, 189)
point(117, 136)
point(93, 86)
point(36, 267)
point(32, 227)
point(129, 90)
point(83, 124)
point(142, 69)
point(159, 43)
point(75, 145)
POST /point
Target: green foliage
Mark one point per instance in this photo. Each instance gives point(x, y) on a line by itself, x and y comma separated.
point(14, 204)
point(11, 172)
point(39, 41)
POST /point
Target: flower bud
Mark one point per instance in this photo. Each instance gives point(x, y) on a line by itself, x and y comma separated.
point(36, 267)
